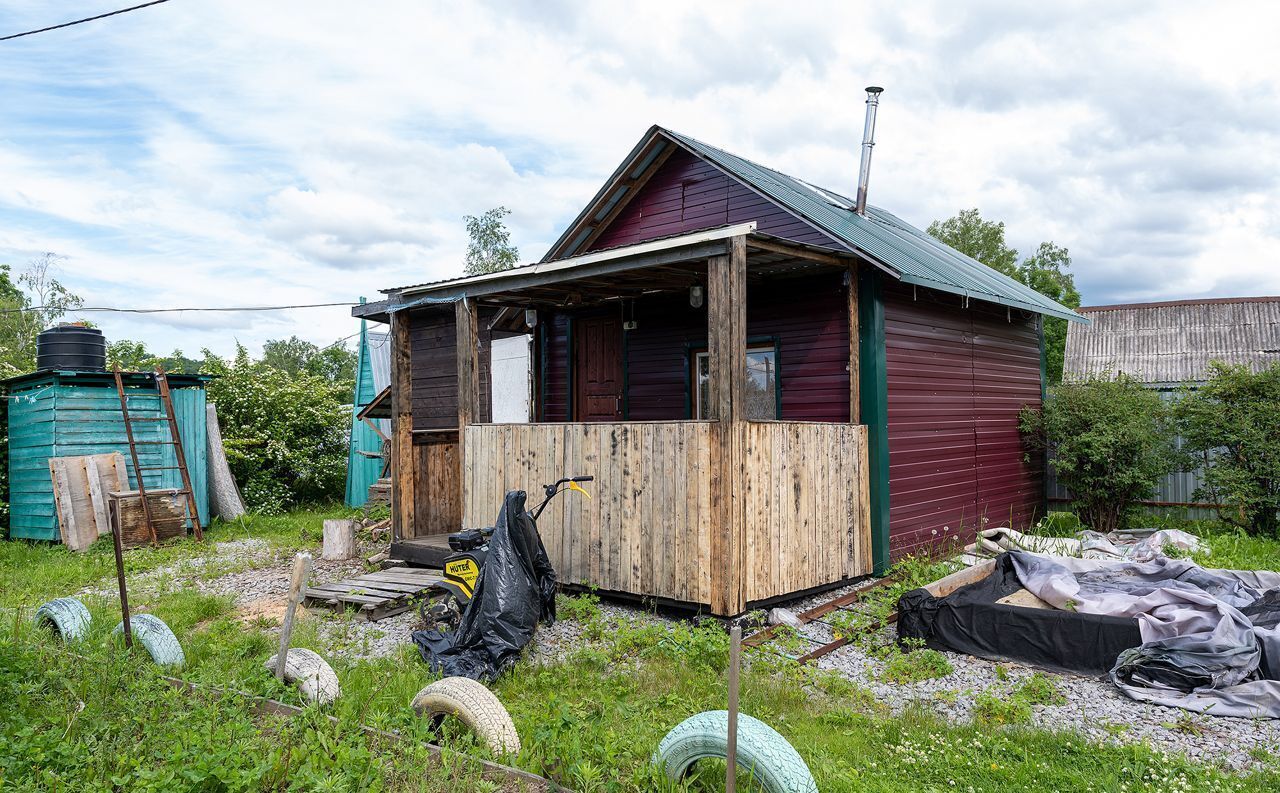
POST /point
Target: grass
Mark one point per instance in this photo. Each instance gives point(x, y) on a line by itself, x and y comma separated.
point(106, 721)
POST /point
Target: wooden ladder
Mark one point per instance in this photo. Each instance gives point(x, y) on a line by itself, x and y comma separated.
point(175, 440)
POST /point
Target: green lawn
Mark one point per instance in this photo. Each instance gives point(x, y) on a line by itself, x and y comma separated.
point(93, 717)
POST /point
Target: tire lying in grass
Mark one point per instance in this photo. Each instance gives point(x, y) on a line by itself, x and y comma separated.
point(762, 752)
point(475, 706)
point(310, 673)
point(67, 616)
point(154, 635)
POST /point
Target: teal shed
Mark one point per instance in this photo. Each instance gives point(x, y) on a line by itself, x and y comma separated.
point(73, 413)
point(373, 375)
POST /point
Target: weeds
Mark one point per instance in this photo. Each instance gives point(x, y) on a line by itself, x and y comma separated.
point(917, 664)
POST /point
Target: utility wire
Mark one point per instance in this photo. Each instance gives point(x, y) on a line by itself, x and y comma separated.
point(81, 21)
point(170, 310)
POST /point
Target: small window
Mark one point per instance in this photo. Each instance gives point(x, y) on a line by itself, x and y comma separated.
point(762, 383)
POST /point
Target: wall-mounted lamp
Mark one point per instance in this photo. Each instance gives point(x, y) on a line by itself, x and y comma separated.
point(530, 317)
point(696, 296)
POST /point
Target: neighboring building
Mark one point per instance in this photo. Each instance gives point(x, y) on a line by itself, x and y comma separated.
point(365, 445)
point(74, 413)
point(870, 410)
point(1168, 346)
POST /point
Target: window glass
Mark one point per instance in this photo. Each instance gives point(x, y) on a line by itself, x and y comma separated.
point(761, 387)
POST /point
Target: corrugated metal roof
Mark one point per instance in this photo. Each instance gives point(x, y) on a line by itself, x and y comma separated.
point(918, 257)
point(1174, 342)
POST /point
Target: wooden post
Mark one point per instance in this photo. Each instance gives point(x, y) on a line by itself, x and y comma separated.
point(727, 354)
point(855, 390)
point(468, 351)
point(124, 594)
point(731, 751)
point(297, 583)
point(403, 470)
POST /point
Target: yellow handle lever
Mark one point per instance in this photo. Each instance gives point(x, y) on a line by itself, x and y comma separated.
point(578, 487)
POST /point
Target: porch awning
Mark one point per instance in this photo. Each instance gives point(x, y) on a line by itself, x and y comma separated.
point(660, 265)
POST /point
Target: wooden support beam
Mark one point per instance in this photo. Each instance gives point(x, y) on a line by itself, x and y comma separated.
point(855, 390)
point(467, 324)
point(793, 252)
point(727, 348)
point(403, 467)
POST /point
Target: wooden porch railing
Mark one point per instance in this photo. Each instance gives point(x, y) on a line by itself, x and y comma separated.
point(800, 498)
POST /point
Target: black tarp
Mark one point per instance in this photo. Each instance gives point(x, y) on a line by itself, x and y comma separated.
point(515, 591)
point(970, 621)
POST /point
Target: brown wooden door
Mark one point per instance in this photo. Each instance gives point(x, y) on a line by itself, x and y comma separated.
point(597, 369)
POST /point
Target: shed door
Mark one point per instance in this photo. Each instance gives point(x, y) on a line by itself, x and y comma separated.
point(597, 372)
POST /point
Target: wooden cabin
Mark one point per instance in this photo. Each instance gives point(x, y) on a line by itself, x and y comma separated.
point(775, 393)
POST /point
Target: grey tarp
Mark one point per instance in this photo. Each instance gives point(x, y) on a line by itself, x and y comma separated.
point(1211, 641)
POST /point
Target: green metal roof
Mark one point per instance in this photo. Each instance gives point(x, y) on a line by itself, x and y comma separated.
point(912, 254)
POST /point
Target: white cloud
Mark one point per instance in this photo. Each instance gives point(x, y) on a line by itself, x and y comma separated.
point(234, 153)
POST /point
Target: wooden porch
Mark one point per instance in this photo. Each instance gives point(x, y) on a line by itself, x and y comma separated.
point(719, 511)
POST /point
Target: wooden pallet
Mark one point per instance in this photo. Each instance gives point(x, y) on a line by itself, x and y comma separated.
point(374, 595)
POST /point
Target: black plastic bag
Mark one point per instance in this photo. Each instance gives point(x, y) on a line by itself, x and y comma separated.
point(515, 591)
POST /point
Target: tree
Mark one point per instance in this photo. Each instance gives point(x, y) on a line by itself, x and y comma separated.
point(1109, 440)
point(1230, 424)
point(490, 249)
point(1044, 271)
point(335, 363)
point(288, 355)
point(133, 356)
point(28, 305)
point(980, 239)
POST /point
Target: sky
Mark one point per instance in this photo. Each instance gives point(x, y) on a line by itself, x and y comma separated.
point(232, 153)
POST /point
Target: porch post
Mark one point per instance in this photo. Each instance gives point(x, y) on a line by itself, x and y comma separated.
point(727, 374)
point(468, 351)
point(855, 390)
point(403, 469)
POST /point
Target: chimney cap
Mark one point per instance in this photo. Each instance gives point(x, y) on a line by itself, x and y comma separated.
point(874, 89)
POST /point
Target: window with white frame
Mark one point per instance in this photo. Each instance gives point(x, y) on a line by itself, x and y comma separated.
point(763, 402)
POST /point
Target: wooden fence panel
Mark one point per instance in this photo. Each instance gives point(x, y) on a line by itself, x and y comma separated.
point(644, 530)
point(807, 522)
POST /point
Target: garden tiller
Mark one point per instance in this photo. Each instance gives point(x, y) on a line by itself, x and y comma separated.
point(450, 597)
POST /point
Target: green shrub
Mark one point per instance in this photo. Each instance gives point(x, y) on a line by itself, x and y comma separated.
point(1109, 440)
point(285, 434)
point(1231, 423)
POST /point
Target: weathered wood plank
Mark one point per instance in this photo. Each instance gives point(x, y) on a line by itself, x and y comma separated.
point(404, 474)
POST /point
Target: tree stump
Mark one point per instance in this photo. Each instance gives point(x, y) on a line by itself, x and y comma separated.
point(339, 540)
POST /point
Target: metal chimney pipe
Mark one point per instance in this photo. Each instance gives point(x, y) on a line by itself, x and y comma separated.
point(868, 143)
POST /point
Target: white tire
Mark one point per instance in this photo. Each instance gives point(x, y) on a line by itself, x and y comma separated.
point(67, 616)
point(312, 675)
point(154, 635)
point(761, 751)
point(475, 706)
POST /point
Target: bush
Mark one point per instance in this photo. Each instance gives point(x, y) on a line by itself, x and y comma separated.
point(1110, 442)
point(1233, 423)
point(285, 434)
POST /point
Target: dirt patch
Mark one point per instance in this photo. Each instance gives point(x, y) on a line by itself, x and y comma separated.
point(268, 610)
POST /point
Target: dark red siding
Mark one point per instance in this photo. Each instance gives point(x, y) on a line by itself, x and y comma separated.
point(808, 318)
point(688, 194)
point(434, 361)
point(956, 380)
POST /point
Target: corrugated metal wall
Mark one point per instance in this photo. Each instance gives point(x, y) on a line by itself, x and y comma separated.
point(71, 420)
point(1176, 491)
point(956, 380)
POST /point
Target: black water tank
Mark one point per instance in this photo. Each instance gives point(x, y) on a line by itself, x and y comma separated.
point(71, 347)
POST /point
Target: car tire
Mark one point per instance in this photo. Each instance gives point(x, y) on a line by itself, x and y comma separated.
point(761, 751)
point(475, 706)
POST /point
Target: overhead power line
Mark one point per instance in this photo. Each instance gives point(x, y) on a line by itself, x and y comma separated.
point(82, 21)
point(174, 310)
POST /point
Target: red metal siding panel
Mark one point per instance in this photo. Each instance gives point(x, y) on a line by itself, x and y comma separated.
point(957, 378)
point(688, 194)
